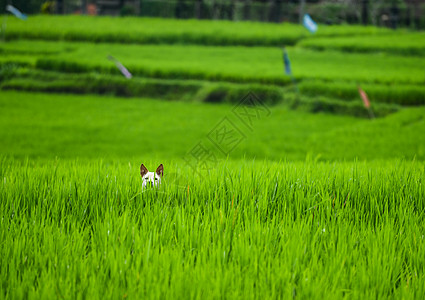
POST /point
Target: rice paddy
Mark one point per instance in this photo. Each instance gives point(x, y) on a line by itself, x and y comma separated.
point(312, 200)
point(245, 230)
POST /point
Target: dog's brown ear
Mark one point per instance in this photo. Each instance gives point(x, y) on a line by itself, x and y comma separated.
point(143, 170)
point(160, 170)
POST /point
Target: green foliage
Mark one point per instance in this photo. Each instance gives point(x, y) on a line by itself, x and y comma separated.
point(352, 108)
point(401, 42)
point(160, 31)
point(183, 90)
point(45, 126)
point(232, 93)
point(127, 10)
point(387, 79)
point(202, 91)
point(306, 224)
point(392, 93)
point(331, 12)
point(48, 7)
point(150, 30)
point(247, 230)
point(237, 64)
point(7, 71)
point(97, 84)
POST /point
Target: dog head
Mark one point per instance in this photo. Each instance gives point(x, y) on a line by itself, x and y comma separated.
point(151, 179)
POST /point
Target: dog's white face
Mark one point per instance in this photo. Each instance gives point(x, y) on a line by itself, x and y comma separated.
point(151, 179)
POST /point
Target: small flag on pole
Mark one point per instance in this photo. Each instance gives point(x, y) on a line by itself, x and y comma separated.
point(309, 23)
point(16, 12)
point(366, 102)
point(365, 99)
point(120, 66)
point(287, 63)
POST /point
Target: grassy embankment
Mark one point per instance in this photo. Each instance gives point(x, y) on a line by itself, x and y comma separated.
point(222, 74)
point(45, 126)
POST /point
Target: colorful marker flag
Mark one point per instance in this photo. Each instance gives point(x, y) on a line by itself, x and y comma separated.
point(119, 65)
point(309, 23)
point(365, 99)
point(287, 63)
point(16, 12)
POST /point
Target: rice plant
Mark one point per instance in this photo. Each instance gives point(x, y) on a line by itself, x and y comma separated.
point(241, 230)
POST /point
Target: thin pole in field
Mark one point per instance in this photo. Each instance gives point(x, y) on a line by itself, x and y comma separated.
point(288, 71)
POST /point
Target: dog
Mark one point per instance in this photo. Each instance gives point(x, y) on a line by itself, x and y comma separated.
point(151, 179)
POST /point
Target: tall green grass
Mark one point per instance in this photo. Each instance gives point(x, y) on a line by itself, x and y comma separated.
point(75, 223)
point(169, 31)
point(24, 79)
point(403, 94)
point(389, 78)
point(316, 96)
point(44, 126)
point(239, 64)
point(404, 43)
point(246, 230)
point(18, 78)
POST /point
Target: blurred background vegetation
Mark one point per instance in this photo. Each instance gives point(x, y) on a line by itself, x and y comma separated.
point(209, 65)
point(389, 13)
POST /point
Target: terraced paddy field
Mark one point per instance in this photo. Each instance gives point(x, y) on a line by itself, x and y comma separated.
point(306, 196)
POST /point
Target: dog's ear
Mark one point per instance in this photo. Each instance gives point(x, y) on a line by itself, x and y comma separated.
point(143, 170)
point(160, 170)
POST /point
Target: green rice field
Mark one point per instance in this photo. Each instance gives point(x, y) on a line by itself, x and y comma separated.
point(309, 195)
point(160, 31)
point(246, 230)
